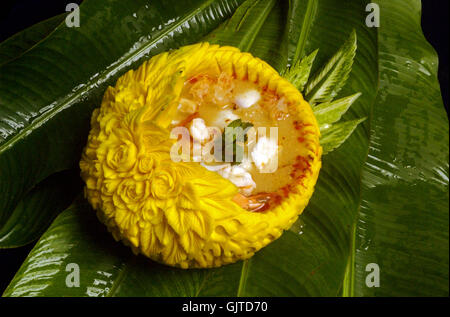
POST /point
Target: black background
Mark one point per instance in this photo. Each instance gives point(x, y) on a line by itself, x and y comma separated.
point(18, 15)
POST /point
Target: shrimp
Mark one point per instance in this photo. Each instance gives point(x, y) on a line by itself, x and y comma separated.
point(223, 89)
point(258, 202)
point(277, 108)
point(219, 91)
point(201, 89)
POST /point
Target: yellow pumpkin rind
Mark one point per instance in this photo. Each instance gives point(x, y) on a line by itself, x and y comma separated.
point(181, 214)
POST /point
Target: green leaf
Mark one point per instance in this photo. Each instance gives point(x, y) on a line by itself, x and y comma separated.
point(40, 206)
point(241, 29)
point(308, 260)
point(325, 85)
point(382, 197)
point(263, 47)
point(333, 135)
point(298, 27)
point(107, 268)
point(330, 112)
point(70, 240)
point(298, 74)
point(19, 43)
point(327, 113)
point(233, 135)
point(47, 94)
point(238, 123)
point(403, 223)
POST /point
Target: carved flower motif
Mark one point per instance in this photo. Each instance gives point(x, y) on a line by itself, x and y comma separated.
point(165, 183)
point(181, 214)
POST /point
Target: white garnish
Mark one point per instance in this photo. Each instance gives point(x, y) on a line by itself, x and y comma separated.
point(239, 177)
point(223, 118)
point(246, 164)
point(264, 152)
point(199, 131)
point(247, 98)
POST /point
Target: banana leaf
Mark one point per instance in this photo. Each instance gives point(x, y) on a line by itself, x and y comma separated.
point(34, 213)
point(382, 197)
point(48, 93)
point(40, 206)
point(19, 43)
